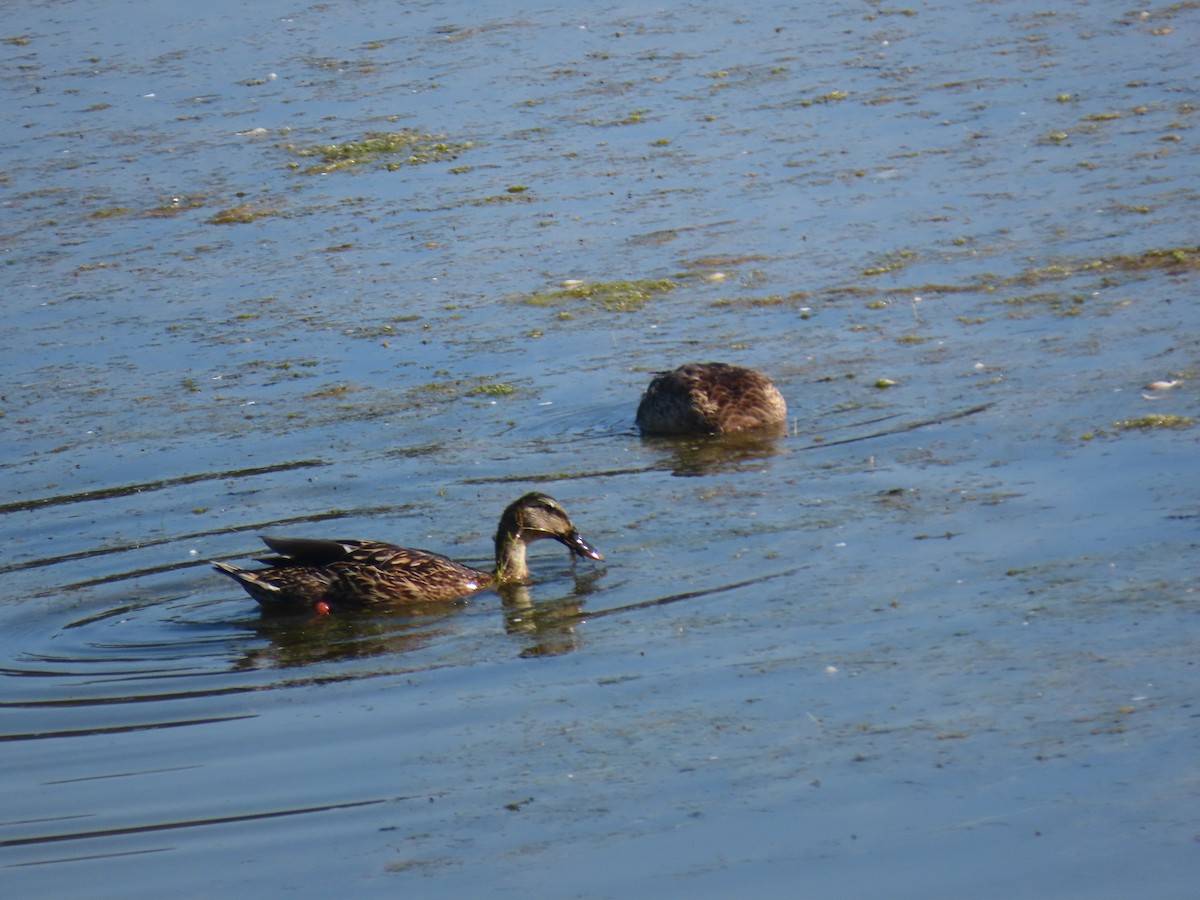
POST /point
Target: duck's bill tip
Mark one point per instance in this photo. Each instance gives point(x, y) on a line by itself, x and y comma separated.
point(580, 547)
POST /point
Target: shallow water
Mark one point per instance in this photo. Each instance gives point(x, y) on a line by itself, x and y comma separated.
point(938, 640)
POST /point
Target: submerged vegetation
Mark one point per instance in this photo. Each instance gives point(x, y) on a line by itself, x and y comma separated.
point(492, 389)
point(831, 97)
point(1150, 423)
point(633, 295)
point(1153, 422)
point(893, 262)
point(612, 296)
point(455, 388)
point(391, 150)
point(1172, 260)
point(1059, 304)
point(246, 212)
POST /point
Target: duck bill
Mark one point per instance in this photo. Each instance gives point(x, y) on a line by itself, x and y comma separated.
point(580, 547)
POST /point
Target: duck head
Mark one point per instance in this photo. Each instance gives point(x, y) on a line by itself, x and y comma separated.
point(537, 516)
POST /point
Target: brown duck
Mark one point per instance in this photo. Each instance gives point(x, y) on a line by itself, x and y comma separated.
point(322, 575)
point(710, 398)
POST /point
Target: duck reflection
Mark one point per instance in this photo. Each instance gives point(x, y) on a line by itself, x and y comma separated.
point(711, 455)
point(300, 640)
point(549, 625)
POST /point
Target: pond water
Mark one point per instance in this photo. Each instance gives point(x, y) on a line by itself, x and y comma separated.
point(939, 640)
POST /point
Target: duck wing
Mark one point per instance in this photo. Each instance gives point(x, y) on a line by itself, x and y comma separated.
point(319, 553)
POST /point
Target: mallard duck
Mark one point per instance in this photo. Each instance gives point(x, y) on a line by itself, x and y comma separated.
point(322, 575)
point(710, 398)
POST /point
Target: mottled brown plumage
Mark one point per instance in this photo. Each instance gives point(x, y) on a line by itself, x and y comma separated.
point(310, 573)
point(710, 398)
